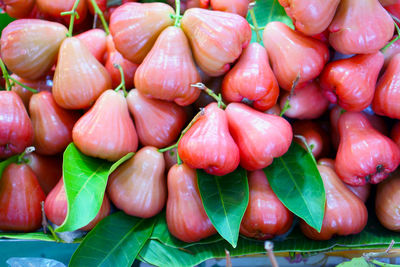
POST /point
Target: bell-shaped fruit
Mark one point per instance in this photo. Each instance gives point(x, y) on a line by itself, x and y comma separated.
point(208, 144)
point(351, 82)
point(96, 41)
point(309, 16)
point(52, 125)
point(54, 8)
point(217, 38)
point(306, 103)
point(138, 186)
point(56, 207)
point(158, 123)
point(18, 8)
point(265, 216)
point(168, 70)
point(345, 213)
point(387, 202)
point(293, 55)
point(186, 218)
point(252, 78)
point(239, 7)
point(260, 137)
point(136, 26)
point(16, 132)
point(79, 78)
point(20, 197)
point(360, 27)
point(387, 94)
point(29, 47)
point(115, 58)
point(106, 131)
point(364, 154)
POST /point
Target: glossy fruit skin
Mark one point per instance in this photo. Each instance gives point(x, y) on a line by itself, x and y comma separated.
point(48, 170)
point(168, 69)
point(345, 213)
point(56, 207)
point(96, 41)
point(158, 123)
point(115, 58)
point(306, 103)
point(29, 47)
point(52, 125)
point(79, 78)
point(388, 2)
point(217, 38)
point(346, 35)
point(260, 137)
point(54, 8)
point(170, 159)
point(239, 7)
point(316, 137)
point(106, 131)
point(387, 202)
point(387, 93)
point(309, 16)
point(138, 186)
point(16, 132)
point(364, 154)
point(394, 8)
point(20, 197)
point(18, 8)
point(186, 217)
point(351, 82)
point(252, 78)
point(293, 54)
point(265, 215)
point(136, 26)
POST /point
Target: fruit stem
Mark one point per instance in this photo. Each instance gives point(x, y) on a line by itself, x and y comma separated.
point(395, 39)
point(178, 16)
point(228, 258)
point(45, 224)
point(23, 85)
point(210, 92)
point(101, 15)
point(287, 103)
point(27, 150)
point(6, 76)
point(255, 24)
point(73, 14)
point(269, 247)
point(309, 149)
point(122, 84)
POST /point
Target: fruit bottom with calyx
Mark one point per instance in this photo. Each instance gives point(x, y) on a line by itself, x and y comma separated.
point(174, 133)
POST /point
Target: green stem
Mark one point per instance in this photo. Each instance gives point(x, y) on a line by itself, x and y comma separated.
point(28, 150)
point(101, 15)
point(6, 76)
point(73, 14)
point(177, 13)
point(287, 103)
point(394, 40)
point(23, 85)
point(122, 84)
point(211, 93)
point(53, 233)
point(255, 24)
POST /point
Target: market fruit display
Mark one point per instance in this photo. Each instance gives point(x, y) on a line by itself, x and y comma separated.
point(192, 127)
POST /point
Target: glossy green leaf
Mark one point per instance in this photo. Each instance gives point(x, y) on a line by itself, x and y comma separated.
point(28, 236)
point(5, 19)
point(85, 180)
point(5, 163)
point(296, 181)
point(115, 241)
point(225, 200)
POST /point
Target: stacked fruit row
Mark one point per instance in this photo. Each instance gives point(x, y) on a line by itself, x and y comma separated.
point(60, 91)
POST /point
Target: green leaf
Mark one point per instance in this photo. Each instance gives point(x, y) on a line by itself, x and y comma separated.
point(225, 200)
point(115, 241)
point(5, 163)
point(85, 180)
point(359, 262)
point(296, 181)
point(28, 236)
point(5, 19)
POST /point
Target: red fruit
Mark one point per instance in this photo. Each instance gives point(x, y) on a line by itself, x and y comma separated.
point(305, 103)
point(252, 78)
point(239, 7)
point(52, 125)
point(351, 82)
point(217, 38)
point(29, 47)
point(260, 137)
point(327, 162)
point(393, 8)
point(293, 54)
point(18, 8)
point(186, 4)
point(48, 170)
point(387, 93)
point(345, 213)
point(138, 186)
point(265, 215)
point(348, 36)
point(106, 131)
point(391, 51)
point(186, 217)
point(170, 158)
point(168, 70)
point(54, 8)
point(115, 58)
point(20, 197)
point(95, 41)
point(387, 202)
point(102, 4)
point(79, 78)
point(364, 154)
point(275, 110)
point(208, 144)
point(388, 2)
point(309, 16)
point(158, 123)
point(395, 133)
point(56, 207)
point(16, 132)
point(136, 26)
